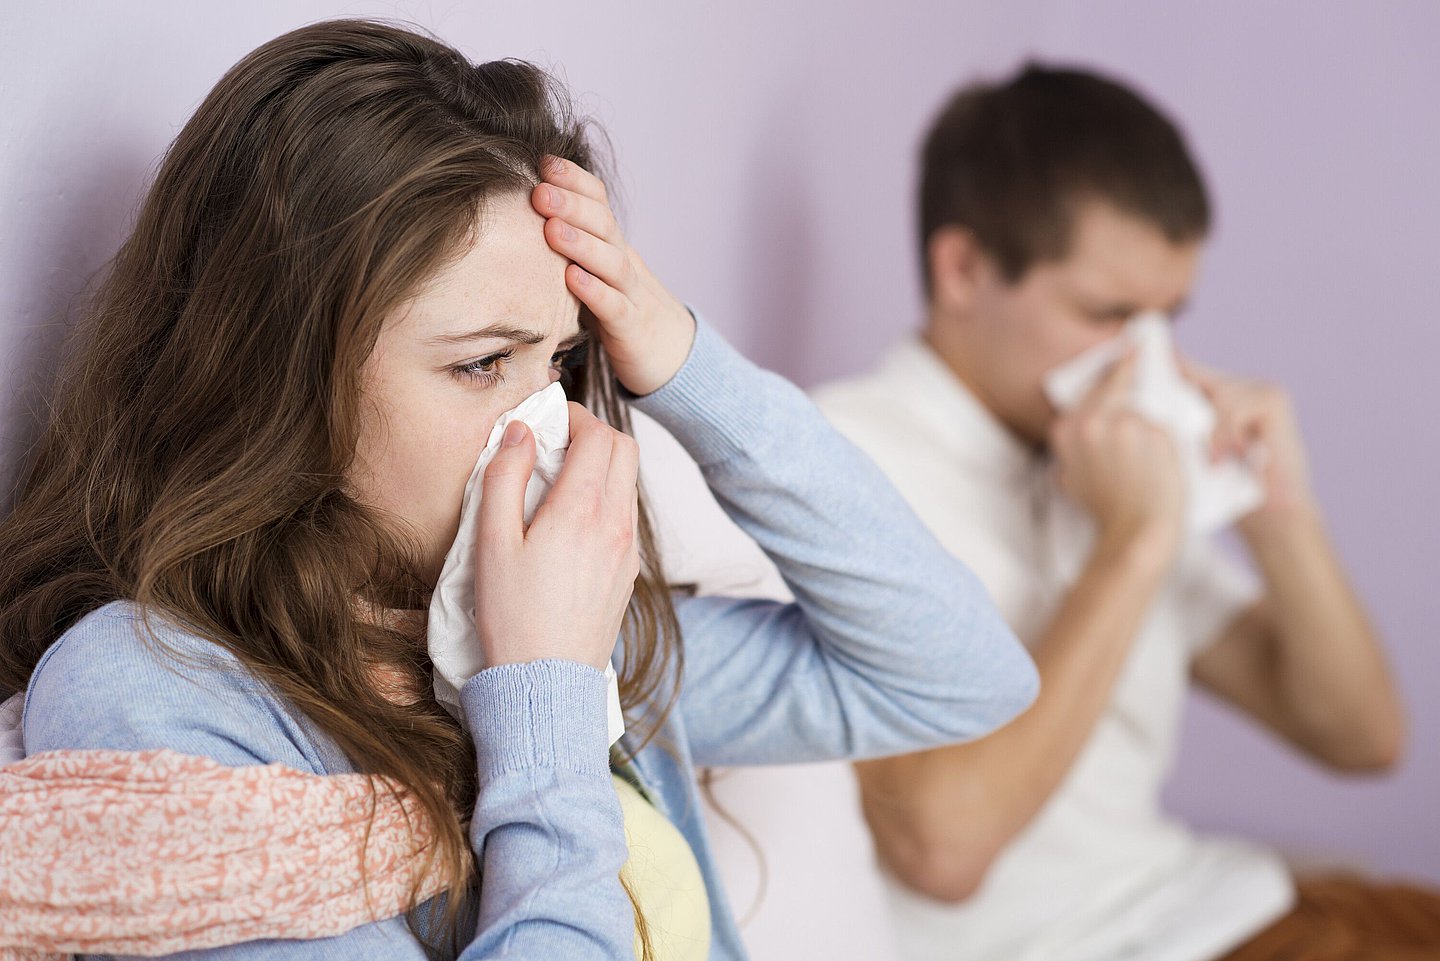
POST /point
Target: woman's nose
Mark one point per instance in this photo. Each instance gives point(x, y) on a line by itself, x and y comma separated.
point(536, 381)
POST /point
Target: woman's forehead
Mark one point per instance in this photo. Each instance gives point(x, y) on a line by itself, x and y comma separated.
point(508, 275)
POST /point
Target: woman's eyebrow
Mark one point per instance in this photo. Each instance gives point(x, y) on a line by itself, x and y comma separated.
point(502, 331)
point(581, 336)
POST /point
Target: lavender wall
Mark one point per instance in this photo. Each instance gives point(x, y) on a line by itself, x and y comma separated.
point(765, 165)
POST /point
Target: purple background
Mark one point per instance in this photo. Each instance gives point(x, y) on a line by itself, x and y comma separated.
point(765, 166)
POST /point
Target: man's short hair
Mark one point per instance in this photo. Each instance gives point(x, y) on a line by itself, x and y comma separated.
point(1013, 162)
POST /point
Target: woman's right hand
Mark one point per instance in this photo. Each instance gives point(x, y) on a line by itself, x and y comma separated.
point(561, 588)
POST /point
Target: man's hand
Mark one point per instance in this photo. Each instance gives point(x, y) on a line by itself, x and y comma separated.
point(1251, 414)
point(1121, 468)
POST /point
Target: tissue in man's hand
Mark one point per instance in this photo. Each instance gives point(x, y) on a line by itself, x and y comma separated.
point(1217, 494)
point(452, 636)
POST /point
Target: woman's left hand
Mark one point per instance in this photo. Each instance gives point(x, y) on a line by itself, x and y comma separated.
point(644, 329)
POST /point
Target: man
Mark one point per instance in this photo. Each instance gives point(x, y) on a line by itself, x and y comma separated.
point(1053, 208)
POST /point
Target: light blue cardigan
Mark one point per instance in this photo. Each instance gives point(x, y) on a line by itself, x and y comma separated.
point(891, 646)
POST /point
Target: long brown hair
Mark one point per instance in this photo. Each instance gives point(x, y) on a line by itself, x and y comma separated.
point(207, 411)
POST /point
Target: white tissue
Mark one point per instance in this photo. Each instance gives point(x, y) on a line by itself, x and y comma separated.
point(453, 639)
point(1217, 494)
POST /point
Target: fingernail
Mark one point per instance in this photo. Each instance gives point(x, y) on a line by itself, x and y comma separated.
point(552, 197)
point(566, 231)
point(514, 434)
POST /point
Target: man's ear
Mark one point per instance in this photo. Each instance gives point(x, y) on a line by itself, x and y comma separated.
point(957, 264)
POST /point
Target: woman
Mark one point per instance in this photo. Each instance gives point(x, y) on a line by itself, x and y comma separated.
point(354, 258)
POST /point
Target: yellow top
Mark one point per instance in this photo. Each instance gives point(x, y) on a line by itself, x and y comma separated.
point(664, 878)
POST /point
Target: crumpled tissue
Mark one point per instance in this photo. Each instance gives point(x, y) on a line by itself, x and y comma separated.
point(1216, 494)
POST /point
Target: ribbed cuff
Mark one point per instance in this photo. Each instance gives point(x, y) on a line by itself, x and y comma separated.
point(542, 714)
point(716, 400)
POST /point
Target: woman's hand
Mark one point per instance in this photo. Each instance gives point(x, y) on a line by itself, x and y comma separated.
point(559, 589)
point(644, 329)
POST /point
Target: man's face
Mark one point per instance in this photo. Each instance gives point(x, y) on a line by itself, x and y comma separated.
point(1117, 267)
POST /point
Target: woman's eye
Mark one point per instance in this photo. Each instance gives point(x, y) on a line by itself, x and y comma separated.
point(488, 368)
point(570, 358)
point(491, 368)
